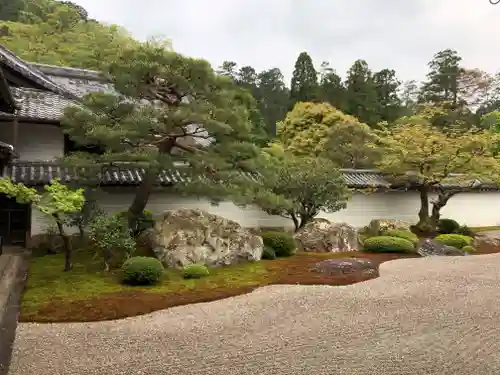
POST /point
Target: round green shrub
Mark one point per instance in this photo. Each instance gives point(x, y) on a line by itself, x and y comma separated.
point(466, 231)
point(282, 243)
point(468, 248)
point(447, 226)
point(406, 234)
point(268, 253)
point(195, 271)
point(455, 240)
point(387, 244)
point(141, 271)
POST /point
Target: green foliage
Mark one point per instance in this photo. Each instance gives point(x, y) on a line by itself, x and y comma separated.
point(469, 249)
point(466, 231)
point(141, 271)
point(455, 240)
point(297, 188)
point(195, 271)
point(58, 33)
point(410, 236)
point(268, 253)
point(447, 226)
point(386, 244)
point(282, 243)
point(112, 237)
point(144, 221)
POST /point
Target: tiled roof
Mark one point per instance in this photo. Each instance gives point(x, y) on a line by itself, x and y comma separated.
point(39, 173)
point(27, 70)
point(80, 82)
point(38, 104)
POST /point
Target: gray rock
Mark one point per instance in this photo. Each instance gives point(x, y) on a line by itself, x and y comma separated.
point(189, 236)
point(430, 247)
point(322, 236)
point(346, 266)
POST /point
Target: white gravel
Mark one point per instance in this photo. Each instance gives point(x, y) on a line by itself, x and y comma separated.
point(422, 316)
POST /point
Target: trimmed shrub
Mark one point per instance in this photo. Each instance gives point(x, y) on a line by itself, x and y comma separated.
point(455, 240)
point(282, 243)
point(448, 226)
point(195, 271)
point(466, 231)
point(407, 235)
point(387, 244)
point(268, 253)
point(141, 271)
point(468, 248)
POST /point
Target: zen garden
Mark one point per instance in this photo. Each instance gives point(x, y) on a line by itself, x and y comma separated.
point(168, 109)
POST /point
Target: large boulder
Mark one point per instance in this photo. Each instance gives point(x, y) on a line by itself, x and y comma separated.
point(189, 236)
point(430, 247)
point(377, 227)
point(487, 239)
point(323, 236)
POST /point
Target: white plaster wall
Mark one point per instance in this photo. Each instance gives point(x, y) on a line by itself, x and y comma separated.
point(473, 209)
point(35, 142)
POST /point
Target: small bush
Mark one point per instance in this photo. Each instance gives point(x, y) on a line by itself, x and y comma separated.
point(407, 235)
point(448, 226)
point(141, 271)
point(455, 240)
point(468, 248)
point(466, 231)
point(387, 244)
point(268, 253)
point(195, 271)
point(282, 243)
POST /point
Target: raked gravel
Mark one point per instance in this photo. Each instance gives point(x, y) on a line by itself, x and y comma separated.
point(436, 315)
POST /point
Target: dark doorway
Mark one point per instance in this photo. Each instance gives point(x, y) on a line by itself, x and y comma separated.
point(15, 221)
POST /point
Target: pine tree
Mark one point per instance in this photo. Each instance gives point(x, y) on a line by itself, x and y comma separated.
point(304, 85)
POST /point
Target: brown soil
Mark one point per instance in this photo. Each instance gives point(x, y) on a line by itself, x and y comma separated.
point(293, 270)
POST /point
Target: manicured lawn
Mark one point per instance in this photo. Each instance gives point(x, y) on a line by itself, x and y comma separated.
point(89, 294)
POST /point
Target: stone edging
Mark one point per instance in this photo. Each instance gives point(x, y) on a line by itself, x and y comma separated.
point(8, 323)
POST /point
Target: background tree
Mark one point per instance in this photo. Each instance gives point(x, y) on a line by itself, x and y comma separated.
point(57, 202)
point(348, 145)
point(170, 109)
point(272, 97)
point(10, 10)
point(386, 88)
point(331, 89)
point(298, 188)
point(361, 94)
point(304, 85)
point(306, 129)
point(418, 154)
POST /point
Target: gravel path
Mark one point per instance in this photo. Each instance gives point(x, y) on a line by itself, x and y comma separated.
point(423, 316)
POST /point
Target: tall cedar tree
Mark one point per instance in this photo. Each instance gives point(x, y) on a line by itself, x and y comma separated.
point(361, 94)
point(304, 86)
point(331, 89)
point(168, 108)
point(386, 87)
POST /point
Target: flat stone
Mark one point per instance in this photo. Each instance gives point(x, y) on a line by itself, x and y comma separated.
point(430, 247)
point(346, 265)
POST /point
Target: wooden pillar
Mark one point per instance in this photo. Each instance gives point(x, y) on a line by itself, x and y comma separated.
point(15, 133)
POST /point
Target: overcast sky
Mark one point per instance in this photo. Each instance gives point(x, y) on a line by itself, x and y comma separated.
point(398, 34)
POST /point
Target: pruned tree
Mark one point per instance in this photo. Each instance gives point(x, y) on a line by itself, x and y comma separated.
point(417, 154)
point(58, 201)
point(318, 129)
point(167, 109)
point(297, 188)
